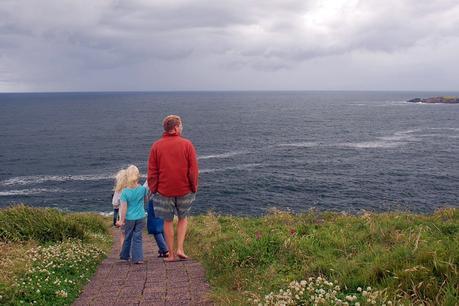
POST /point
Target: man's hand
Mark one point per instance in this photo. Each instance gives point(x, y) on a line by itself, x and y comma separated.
point(119, 223)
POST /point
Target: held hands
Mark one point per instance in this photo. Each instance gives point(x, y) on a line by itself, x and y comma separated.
point(119, 223)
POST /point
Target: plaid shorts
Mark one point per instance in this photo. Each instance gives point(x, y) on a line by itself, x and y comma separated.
point(167, 207)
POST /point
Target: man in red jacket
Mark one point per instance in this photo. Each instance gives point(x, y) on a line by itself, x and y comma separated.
point(173, 177)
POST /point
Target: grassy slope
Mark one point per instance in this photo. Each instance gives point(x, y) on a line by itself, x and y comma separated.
point(414, 257)
point(47, 255)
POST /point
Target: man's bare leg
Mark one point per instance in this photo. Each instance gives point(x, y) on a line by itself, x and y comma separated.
point(169, 235)
point(181, 232)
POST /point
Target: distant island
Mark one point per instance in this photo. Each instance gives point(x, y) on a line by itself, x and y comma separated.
point(444, 99)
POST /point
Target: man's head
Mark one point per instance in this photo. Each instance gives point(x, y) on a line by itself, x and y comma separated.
point(172, 124)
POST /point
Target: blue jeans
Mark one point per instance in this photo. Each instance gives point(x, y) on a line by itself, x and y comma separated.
point(161, 243)
point(133, 240)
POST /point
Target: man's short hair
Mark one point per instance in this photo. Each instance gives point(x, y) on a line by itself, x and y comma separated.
point(170, 122)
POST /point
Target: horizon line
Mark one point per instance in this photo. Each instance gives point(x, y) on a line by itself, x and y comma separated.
point(224, 91)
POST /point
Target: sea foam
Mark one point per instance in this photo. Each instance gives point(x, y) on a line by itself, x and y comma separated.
point(31, 191)
point(38, 179)
point(223, 155)
point(238, 167)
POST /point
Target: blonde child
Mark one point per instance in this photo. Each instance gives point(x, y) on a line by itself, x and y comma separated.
point(132, 216)
point(120, 184)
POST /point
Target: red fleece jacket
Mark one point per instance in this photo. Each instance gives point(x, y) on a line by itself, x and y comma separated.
point(173, 166)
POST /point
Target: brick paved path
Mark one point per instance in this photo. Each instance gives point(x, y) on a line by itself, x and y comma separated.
point(153, 283)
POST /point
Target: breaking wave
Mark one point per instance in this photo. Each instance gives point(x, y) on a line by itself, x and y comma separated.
point(223, 155)
point(238, 167)
point(38, 179)
point(32, 191)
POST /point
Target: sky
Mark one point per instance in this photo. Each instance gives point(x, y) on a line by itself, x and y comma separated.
point(130, 45)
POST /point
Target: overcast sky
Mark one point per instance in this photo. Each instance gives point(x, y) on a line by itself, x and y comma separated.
point(90, 45)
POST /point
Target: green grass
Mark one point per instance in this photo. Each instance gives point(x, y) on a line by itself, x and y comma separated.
point(48, 255)
point(409, 258)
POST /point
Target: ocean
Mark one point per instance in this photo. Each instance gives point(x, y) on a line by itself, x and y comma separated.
point(338, 151)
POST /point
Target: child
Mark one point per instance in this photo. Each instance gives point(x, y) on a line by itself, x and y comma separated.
point(155, 226)
point(120, 184)
point(133, 199)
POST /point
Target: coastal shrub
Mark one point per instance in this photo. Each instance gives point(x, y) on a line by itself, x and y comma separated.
point(412, 258)
point(55, 275)
point(47, 225)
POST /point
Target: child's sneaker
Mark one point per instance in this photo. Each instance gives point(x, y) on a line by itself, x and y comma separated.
point(163, 254)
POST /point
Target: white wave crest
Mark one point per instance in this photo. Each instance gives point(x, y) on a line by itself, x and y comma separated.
point(32, 191)
point(395, 140)
point(373, 144)
point(390, 103)
point(450, 129)
point(299, 144)
point(238, 167)
point(223, 155)
point(38, 179)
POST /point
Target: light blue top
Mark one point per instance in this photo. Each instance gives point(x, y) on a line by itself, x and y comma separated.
point(134, 197)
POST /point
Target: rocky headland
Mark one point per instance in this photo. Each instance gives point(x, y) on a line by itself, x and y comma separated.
point(444, 99)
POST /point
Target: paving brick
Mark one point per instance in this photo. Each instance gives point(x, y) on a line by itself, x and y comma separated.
point(152, 303)
point(104, 301)
point(154, 296)
point(176, 286)
point(154, 290)
point(125, 303)
point(130, 292)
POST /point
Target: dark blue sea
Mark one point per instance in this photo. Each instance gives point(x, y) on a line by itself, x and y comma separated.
point(340, 151)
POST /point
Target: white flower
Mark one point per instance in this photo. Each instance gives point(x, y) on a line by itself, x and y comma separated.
point(61, 293)
point(359, 289)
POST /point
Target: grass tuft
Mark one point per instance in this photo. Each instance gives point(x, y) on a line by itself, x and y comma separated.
point(45, 225)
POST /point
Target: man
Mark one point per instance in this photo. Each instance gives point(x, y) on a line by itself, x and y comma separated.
point(173, 176)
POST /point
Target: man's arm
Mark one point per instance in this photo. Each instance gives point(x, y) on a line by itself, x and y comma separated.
point(153, 171)
point(193, 169)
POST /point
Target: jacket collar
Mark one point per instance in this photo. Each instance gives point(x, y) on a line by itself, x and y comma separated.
point(166, 134)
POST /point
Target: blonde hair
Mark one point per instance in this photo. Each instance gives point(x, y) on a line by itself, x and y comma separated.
point(133, 175)
point(120, 180)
